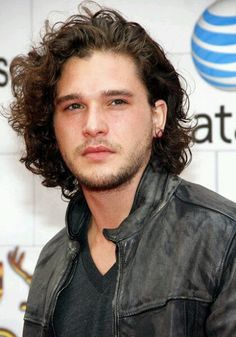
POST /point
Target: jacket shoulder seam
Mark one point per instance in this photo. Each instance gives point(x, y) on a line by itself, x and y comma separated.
point(198, 204)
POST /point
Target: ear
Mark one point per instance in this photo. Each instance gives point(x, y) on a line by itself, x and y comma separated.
point(159, 115)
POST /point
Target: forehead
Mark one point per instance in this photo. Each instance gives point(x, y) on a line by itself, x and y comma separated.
point(100, 71)
point(105, 59)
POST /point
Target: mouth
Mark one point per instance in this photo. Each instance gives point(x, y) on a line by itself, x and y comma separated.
point(97, 152)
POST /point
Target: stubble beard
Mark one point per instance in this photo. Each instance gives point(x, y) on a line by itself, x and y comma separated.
point(100, 182)
point(107, 182)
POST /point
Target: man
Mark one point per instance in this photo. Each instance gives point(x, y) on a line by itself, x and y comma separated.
point(144, 253)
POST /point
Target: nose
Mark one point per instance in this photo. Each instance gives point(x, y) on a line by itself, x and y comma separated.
point(95, 123)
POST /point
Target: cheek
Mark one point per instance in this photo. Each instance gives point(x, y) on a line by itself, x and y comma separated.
point(62, 136)
point(141, 124)
point(64, 130)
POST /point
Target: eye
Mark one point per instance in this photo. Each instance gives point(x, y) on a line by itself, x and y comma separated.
point(118, 101)
point(74, 106)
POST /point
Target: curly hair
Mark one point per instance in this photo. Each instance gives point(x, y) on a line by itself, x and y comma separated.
point(35, 75)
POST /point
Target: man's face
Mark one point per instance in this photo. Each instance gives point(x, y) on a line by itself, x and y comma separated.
point(103, 121)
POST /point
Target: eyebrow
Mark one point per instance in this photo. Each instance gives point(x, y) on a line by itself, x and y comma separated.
point(66, 98)
point(109, 93)
point(106, 93)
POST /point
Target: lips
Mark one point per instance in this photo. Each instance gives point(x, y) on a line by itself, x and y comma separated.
point(96, 149)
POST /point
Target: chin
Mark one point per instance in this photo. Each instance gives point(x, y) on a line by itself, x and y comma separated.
point(104, 183)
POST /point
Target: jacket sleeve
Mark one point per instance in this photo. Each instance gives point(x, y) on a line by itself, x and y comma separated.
point(221, 321)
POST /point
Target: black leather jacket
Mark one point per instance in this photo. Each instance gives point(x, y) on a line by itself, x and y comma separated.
point(176, 256)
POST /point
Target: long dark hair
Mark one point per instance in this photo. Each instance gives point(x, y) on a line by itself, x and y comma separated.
point(35, 75)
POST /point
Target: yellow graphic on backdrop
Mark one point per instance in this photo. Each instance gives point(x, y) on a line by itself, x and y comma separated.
point(15, 260)
point(6, 333)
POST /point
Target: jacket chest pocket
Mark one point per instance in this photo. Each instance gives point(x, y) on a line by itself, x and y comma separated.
point(178, 318)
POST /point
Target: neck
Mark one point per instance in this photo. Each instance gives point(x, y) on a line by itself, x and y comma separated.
point(108, 209)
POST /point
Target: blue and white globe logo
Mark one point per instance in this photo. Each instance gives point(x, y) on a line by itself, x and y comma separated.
point(214, 45)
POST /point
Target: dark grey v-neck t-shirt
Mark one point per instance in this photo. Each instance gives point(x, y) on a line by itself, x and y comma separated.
point(84, 307)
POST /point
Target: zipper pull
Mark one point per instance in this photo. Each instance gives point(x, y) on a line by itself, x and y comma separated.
point(73, 248)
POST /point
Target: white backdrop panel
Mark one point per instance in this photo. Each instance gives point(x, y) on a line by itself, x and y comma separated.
point(30, 213)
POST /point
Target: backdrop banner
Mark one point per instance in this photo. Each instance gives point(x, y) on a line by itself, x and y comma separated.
point(199, 37)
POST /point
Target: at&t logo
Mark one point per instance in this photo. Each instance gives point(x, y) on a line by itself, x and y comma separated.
point(214, 45)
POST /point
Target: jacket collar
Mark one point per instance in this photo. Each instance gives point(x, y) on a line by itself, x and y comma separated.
point(154, 190)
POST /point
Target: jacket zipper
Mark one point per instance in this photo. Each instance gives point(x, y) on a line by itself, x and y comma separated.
point(119, 263)
point(115, 302)
point(63, 283)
